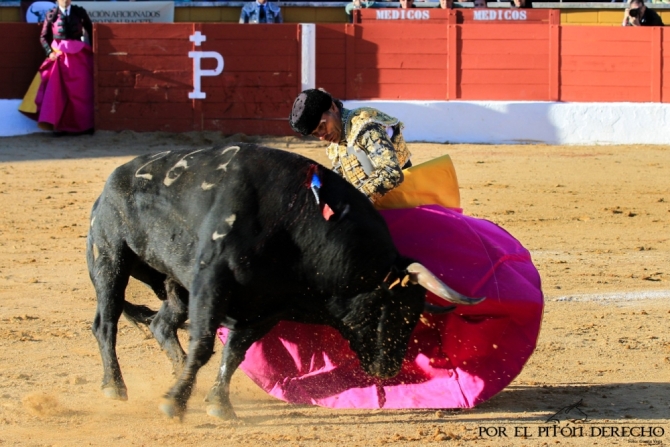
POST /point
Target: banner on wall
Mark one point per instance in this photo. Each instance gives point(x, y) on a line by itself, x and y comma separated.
point(107, 12)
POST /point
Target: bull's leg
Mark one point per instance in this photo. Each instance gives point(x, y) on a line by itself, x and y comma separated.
point(109, 274)
point(172, 314)
point(207, 306)
point(238, 342)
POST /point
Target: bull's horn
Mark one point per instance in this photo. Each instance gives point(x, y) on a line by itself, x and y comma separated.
point(422, 276)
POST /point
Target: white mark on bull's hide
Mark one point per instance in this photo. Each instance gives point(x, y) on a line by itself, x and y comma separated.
point(230, 220)
point(216, 235)
point(96, 252)
point(224, 166)
point(231, 148)
point(154, 157)
point(171, 175)
point(207, 186)
point(92, 220)
point(180, 164)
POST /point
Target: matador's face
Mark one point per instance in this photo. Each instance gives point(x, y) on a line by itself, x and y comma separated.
point(330, 126)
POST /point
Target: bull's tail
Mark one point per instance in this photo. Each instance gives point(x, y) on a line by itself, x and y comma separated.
point(141, 317)
point(138, 315)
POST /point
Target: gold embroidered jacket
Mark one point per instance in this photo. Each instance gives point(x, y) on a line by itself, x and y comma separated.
point(372, 151)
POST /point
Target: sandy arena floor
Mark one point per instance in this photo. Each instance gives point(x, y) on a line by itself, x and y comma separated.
point(596, 222)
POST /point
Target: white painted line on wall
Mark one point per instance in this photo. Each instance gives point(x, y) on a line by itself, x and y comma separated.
point(308, 53)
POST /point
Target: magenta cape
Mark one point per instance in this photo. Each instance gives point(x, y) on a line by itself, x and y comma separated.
point(65, 97)
point(457, 360)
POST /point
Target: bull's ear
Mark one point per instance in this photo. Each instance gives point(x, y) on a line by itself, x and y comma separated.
point(422, 276)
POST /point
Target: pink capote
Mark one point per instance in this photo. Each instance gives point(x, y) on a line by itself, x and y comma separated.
point(457, 360)
point(65, 97)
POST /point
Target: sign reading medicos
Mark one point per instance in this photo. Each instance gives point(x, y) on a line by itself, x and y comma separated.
point(492, 14)
point(459, 16)
point(415, 15)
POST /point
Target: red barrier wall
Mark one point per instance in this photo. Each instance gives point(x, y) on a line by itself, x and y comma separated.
point(503, 62)
point(612, 64)
point(20, 56)
point(145, 75)
point(331, 59)
point(398, 61)
point(491, 61)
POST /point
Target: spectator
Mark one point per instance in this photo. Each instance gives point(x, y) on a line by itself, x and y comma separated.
point(521, 3)
point(637, 14)
point(358, 4)
point(480, 4)
point(405, 4)
point(261, 11)
point(447, 4)
point(367, 147)
point(63, 102)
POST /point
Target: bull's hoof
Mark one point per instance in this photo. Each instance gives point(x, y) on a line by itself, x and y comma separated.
point(220, 412)
point(111, 392)
point(171, 409)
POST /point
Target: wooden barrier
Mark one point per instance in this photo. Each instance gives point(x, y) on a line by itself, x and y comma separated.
point(144, 77)
point(492, 61)
point(144, 74)
point(20, 56)
point(612, 64)
point(331, 54)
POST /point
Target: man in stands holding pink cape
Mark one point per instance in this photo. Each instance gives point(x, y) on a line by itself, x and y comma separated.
point(454, 360)
point(61, 98)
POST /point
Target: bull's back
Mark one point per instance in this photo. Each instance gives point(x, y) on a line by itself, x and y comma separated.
point(169, 205)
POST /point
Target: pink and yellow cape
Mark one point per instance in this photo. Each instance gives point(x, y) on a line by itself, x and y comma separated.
point(456, 360)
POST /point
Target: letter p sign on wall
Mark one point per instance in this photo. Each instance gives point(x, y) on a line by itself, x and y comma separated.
point(198, 72)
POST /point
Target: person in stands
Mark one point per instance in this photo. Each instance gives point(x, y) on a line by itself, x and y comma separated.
point(360, 4)
point(261, 11)
point(521, 3)
point(637, 14)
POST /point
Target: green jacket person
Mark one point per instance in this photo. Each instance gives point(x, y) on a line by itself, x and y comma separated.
point(366, 145)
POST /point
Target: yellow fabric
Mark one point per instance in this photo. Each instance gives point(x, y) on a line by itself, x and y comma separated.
point(431, 183)
point(28, 104)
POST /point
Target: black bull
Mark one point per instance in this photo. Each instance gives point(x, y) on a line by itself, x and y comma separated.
point(237, 237)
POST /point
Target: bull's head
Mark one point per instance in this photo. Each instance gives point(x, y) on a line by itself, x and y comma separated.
point(379, 324)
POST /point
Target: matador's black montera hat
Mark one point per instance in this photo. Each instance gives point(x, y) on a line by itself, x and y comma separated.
point(307, 110)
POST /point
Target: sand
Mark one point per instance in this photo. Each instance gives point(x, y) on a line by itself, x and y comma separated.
point(594, 218)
